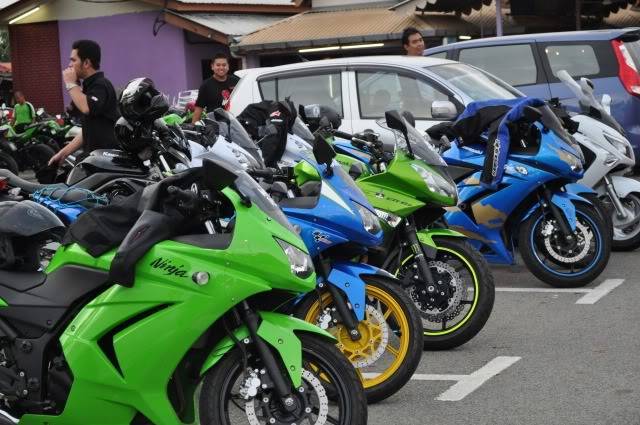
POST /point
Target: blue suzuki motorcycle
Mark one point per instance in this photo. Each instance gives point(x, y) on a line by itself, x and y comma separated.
point(524, 203)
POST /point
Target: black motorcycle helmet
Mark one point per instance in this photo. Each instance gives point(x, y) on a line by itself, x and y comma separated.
point(131, 138)
point(141, 102)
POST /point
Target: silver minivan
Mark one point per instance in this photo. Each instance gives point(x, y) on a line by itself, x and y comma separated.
point(361, 89)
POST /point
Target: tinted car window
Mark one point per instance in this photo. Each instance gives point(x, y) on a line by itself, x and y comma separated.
point(474, 83)
point(323, 89)
point(514, 64)
point(576, 59)
point(380, 91)
point(441, 55)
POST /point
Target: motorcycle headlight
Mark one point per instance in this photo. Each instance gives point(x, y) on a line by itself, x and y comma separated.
point(300, 262)
point(369, 220)
point(391, 219)
point(435, 182)
point(575, 163)
point(621, 145)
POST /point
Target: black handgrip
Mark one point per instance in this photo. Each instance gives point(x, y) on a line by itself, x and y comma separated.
point(263, 172)
point(342, 134)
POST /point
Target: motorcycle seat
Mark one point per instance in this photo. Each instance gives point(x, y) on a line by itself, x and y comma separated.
point(24, 185)
point(21, 281)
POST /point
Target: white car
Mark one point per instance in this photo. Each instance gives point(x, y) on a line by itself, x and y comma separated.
point(361, 89)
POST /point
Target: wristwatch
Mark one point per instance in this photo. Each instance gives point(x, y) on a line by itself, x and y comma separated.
point(69, 86)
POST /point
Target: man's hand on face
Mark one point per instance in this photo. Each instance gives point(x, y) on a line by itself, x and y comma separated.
point(69, 75)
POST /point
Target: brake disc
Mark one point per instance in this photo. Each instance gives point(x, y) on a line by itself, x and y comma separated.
point(583, 243)
point(448, 283)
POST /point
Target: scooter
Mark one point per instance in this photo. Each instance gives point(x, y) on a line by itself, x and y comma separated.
point(608, 157)
point(560, 235)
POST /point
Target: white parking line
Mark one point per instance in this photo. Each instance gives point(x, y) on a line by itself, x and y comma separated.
point(592, 295)
point(466, 384)
point(470, 383)
point(600, 291)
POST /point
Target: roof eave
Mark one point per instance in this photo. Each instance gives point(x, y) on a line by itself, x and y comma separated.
point(297, 7)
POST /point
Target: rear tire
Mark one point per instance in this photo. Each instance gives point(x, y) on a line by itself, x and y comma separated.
point(38, 156)
point(8, 163)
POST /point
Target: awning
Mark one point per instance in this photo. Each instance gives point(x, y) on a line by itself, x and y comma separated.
point(350, 26)
point(222, 28)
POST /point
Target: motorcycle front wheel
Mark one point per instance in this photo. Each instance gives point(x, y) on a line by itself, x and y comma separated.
point(390, 347)
point(458, 305)
point(331, 392)
point(560, 262)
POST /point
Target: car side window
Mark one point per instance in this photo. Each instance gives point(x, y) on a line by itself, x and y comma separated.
point(324, 89)
point(514, 64)
point(577, 59)
point(380, 91)
point(441, 55)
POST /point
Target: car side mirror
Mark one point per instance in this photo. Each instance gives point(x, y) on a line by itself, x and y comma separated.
point(443, 110)
point(217, 175)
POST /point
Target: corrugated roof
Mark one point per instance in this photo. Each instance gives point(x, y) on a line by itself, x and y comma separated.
point(316, 28)
point(232, 24)
point(604, 7)
point(243, 2)
point(629, 17)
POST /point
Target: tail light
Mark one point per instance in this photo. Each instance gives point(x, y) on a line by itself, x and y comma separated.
point(4, 184)
point(628, 72)
point(60, 121)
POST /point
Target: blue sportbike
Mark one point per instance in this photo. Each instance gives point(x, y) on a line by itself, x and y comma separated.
point(516, 168)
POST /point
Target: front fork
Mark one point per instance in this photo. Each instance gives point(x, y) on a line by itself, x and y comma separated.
point(347, 313)
point(410, 236)
point(615, 200)
point(280, 385)
point(561, 220)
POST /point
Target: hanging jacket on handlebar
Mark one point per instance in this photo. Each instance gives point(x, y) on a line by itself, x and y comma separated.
point(492, 117)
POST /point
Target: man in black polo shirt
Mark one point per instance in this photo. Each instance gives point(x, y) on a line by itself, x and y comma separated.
point(96, 100)
point(215, 91)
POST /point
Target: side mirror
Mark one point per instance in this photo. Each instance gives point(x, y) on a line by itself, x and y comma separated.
point(443, 110)
point(408, 116)
point(531, 114)
point(395, 121)
point(40, 111)
point(606, 103)
point(217, 175)
point(323, 151)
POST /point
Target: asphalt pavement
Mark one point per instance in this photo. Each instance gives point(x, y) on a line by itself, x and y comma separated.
point(544, 357)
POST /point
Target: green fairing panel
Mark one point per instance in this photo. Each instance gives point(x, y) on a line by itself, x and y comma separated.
point(346, 162)
point(305, 172)
point(279, 331)
point(425, 236)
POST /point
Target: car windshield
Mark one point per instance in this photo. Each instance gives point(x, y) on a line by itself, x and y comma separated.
point(261, 199)
point(473, 82)
point(419, 145)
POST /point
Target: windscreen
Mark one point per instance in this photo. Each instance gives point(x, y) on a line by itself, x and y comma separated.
point(301, 130)
point(234, 132)
point(419, 145)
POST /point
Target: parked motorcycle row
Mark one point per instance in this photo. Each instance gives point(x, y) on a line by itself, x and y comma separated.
point(33, 147)
point(271, 269)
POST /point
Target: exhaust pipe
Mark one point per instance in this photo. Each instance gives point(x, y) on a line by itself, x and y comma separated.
point(7, 419)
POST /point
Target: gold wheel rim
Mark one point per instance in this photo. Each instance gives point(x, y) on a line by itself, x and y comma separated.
point(371, 334)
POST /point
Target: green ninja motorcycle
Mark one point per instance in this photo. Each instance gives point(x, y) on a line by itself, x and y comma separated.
point(408, 185)
point(178, 326)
